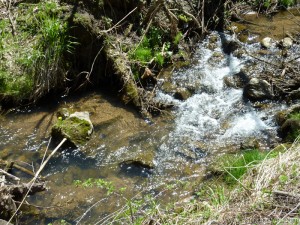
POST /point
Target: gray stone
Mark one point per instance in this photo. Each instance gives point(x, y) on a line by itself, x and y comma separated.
point(258, 89)
point(286, 42)
point(266, 42)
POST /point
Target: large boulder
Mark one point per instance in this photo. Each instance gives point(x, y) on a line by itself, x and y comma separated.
point(258, 89)
point(77, 128)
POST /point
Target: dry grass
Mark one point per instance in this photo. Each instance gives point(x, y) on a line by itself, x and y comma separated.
point(272, 195)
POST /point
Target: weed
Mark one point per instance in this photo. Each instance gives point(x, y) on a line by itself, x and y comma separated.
point(237, 167)
point(38, 63)
point(177, 38)
point(184, 18)
point(152, 48)
point(295, 116)
point(283, 178)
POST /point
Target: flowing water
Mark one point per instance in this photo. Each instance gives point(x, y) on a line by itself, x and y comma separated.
point(216, 119)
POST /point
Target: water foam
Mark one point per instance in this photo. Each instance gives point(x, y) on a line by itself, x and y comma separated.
point(216, 114)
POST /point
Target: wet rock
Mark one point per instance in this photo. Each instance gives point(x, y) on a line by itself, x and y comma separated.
point(238, 80)
point(182, 94)
point(239, 53)
point(230, 46)
point(294, 94)
point(216, 58)
point(168, 87)
point(286, 42)
point(266, 42)
point(212, 42)
point(136, 168)
point(250, 144)
point(258, 89)
point(77, 128)
point(290, 129)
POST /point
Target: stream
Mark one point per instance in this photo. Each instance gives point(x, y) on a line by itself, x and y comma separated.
point(175, 148)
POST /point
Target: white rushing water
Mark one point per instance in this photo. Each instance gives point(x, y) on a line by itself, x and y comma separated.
point(216, 117)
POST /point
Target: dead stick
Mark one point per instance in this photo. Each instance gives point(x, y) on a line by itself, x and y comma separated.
point(9, 175)
point(21, 168)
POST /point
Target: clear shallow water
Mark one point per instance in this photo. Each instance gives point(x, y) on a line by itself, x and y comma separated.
point(214, 120)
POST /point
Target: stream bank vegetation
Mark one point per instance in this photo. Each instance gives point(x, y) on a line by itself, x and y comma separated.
point(48, 46)
point(34, 40)
point(65, 46)
point(253, 188)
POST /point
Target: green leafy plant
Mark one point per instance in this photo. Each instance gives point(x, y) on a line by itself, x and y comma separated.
point(100, 183)
point(152, 48)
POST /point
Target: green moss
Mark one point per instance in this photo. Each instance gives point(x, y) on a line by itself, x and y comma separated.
point(74, 129)
point(131, 93)
point(294, 132)
point(143, 54)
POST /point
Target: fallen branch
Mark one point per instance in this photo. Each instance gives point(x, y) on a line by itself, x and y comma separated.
point(9, 175)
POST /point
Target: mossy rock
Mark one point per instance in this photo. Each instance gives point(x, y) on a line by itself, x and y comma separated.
point(291, 112)
point(289, 122)
point(77, 128)
point(290, 130)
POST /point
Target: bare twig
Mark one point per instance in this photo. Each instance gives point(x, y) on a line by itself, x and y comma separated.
point(113, 27)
